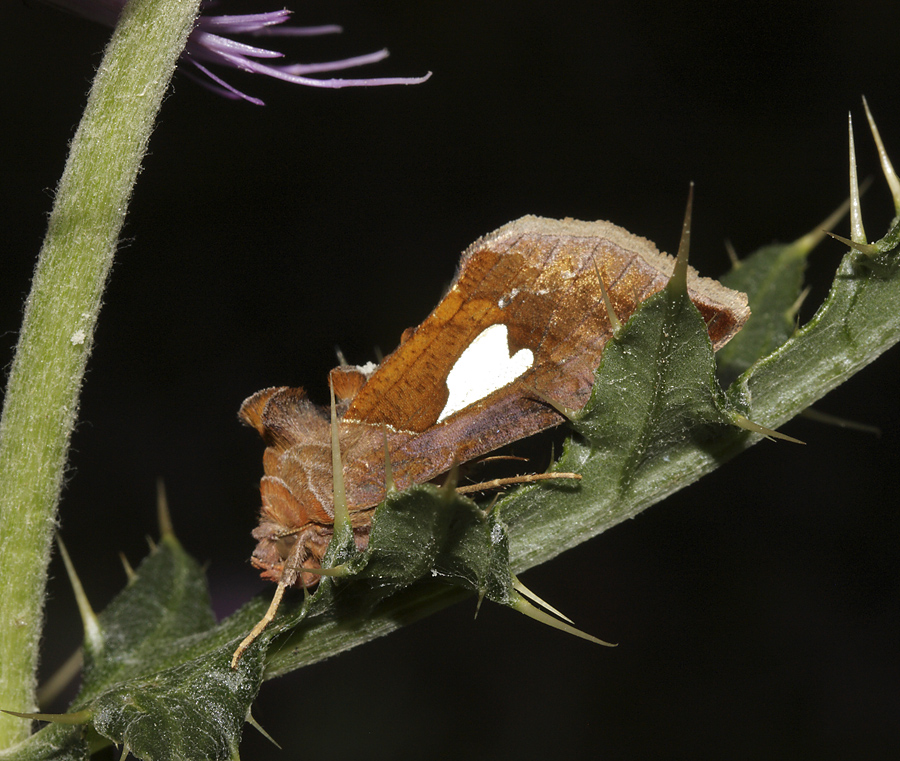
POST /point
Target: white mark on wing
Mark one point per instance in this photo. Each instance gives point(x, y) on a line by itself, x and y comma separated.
point(505, 300)
point(484, 367)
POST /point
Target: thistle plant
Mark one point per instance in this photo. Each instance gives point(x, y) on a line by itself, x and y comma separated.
point(158, 676)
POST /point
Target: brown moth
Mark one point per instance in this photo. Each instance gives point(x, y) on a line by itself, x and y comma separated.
point(517, 338)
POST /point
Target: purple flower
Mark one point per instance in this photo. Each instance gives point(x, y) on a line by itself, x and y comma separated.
point(208, 44)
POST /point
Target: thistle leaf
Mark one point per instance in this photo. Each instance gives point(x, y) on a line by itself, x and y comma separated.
point(160, 682)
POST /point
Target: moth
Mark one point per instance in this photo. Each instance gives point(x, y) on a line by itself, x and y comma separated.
point(516, 339)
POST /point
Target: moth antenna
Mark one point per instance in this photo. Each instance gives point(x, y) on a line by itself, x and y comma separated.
point(79, 717)
point(93, 634)
point(857, 232)
point(258, 727)
point(748, 425)
point(499, 483)
point(261, 624)
point(519, 603)
point(678, 281)
point(610, 312)
point(521, 588)
point(130, 575)
point(501, 458)
point(841, 422)
point(341, 513)
point(732, 255)
point(388, 468)
point(342, 361)
point(163, 516)
point(889, 174)
point(61, 678)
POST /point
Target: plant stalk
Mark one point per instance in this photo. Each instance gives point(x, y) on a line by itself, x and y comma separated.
point(41, 402)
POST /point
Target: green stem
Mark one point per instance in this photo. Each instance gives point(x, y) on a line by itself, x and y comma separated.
point(61, 312)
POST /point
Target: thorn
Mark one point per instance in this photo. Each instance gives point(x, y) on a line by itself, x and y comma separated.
point(522, 605)
point(869, 249)
point(748, 425)
point(93, 634)
point(449, 486)
point(256, 725)
point(828, 419)
point(163, 516)
point(129, 571)
point(62, 677)
point(857, 232)
point(341, 513)
point(481, 594)
point(489, 509)
point(889, 174)
point(678, 281)
point(806, 243)
point(520, 587)
point(388, 468)
point(566, 412)
point(260, 626)
point(732, 255)
point(79, 717)
point(610, 312)
point(794, 309)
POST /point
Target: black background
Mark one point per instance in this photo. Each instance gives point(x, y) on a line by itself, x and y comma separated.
point(757, 612)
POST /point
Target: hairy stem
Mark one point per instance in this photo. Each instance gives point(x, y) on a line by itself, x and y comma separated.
point(41, 402)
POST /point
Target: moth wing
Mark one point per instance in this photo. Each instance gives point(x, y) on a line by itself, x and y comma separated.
point(538, 278)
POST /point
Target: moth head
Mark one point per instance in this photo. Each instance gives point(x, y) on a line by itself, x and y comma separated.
point(282, 555)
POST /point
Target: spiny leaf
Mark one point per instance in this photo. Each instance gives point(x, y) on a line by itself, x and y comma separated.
point(859, 320)
point(772, 278)
point(143, 691)
point(160, 681)
point(656, 405)
point(192, 711)
point(168, 600)
point(423, 538)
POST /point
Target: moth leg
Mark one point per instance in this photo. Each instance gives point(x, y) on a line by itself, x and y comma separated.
point(288, 578)
point(260, 626)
